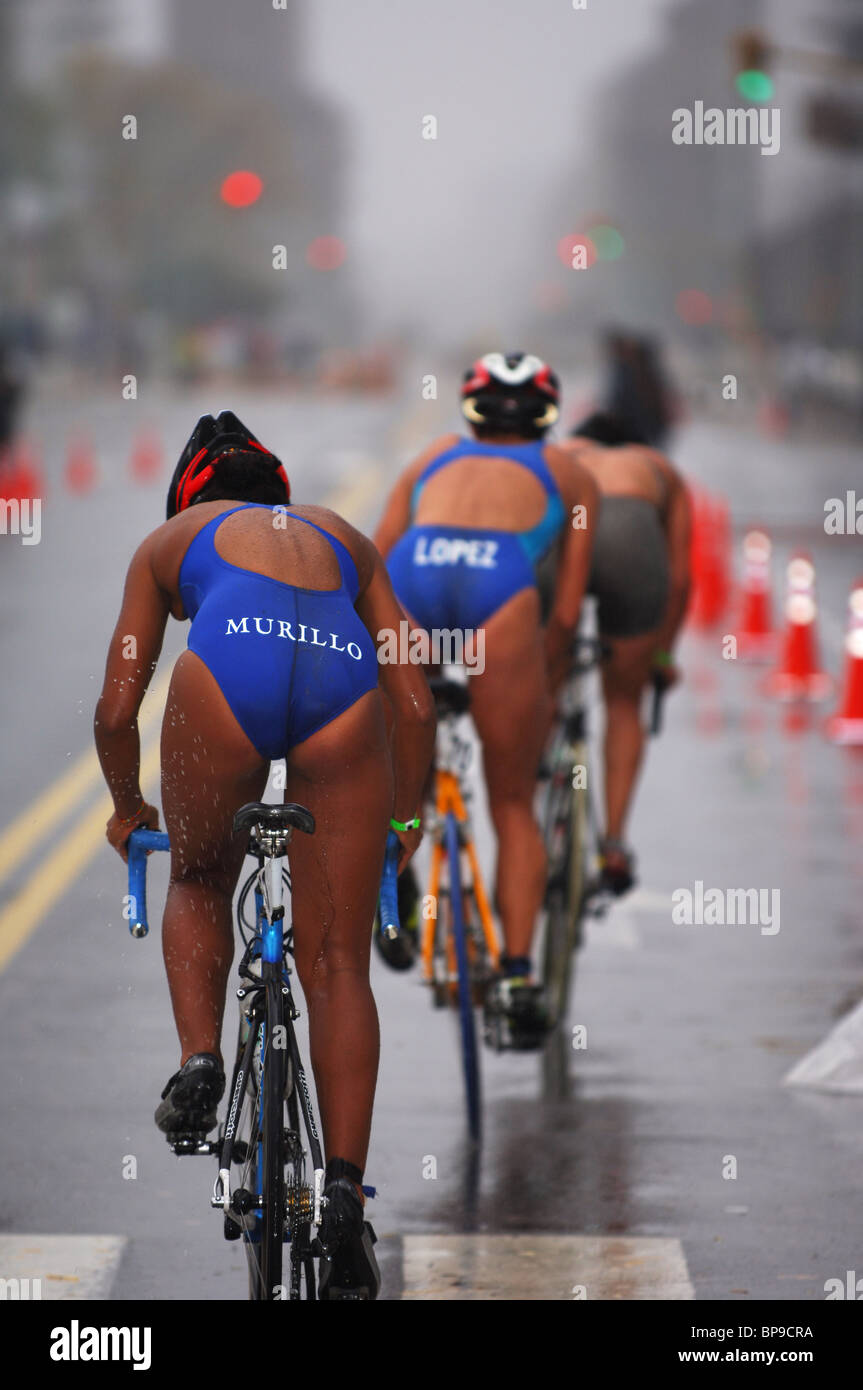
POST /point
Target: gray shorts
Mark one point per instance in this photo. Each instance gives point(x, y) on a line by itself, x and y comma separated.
point(629, 570)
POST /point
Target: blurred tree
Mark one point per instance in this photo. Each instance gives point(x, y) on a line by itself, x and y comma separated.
point(126, 227)
point(149, 224)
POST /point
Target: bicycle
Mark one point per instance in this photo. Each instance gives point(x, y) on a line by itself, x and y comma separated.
point(459, 950)
point(574, 889)
point(274, 1201)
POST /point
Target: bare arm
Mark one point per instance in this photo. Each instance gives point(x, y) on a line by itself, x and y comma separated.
point(582, 497)
point(132, 657)
point(678, 530)
point(397, 512)
point(411, 701)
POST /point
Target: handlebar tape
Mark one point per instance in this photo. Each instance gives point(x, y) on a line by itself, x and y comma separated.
point(139, 843)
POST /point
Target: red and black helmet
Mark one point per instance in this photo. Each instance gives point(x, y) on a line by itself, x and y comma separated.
point(210, 441)
point(517, 390)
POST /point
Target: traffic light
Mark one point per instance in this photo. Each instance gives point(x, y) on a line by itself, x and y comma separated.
point(835, 122)
point(751, 52)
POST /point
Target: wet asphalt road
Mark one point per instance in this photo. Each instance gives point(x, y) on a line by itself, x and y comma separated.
point(690, 1030)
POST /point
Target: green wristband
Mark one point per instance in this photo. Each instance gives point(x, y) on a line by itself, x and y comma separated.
point(406, 825)
point(662, 658)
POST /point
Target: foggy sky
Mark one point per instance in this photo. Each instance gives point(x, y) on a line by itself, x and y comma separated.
point(458, 232)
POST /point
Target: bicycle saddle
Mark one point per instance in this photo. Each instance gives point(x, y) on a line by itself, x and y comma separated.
point(290, 815)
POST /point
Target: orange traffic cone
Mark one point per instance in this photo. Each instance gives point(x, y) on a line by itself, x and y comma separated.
point(846, 725)
point(755, 639)
point(9, 488)
point(80, 465)
point(696, 502)
point(798, 676)
point(709, 560)
point(28, 471)
point(722, 543)
point(146, 460)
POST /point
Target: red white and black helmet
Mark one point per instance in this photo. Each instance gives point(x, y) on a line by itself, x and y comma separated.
point(210, 441)
point(517, 390)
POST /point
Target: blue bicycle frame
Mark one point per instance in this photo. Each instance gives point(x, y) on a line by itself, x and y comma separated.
point(266, 944)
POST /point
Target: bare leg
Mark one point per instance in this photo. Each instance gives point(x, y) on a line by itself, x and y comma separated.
point(624, 679)
point(512, 711)
point(343, 775)
point(209, 769)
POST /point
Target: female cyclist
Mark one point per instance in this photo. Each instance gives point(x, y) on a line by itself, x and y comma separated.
point(284, 602)
point(494, 533)
point(640, 576)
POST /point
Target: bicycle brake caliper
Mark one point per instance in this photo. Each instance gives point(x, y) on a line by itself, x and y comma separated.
point(222, 1191)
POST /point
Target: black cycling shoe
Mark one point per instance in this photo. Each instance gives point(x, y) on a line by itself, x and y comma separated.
point(348, 1269)
point(516, 1013)
point(191, 1096)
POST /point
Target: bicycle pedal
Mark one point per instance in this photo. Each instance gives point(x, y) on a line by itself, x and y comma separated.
point(525, 1042)
point(192, 1143)
point(597, 899)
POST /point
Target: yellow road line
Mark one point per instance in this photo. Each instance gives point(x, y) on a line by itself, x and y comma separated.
point(53, 876)
point(29, 828)
point(350, 501)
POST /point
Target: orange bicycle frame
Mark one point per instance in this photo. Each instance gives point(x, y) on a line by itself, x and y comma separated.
point(448, 799)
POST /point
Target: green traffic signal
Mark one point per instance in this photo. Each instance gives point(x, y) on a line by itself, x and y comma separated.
point(754, 85)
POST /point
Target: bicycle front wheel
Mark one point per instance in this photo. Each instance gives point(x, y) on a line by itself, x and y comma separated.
point(467, 1018)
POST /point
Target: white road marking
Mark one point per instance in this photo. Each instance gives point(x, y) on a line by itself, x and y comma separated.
point(617, 931)
point(67, 1267)
point(544, 1267)
point(836, 1063)
point(647, 900)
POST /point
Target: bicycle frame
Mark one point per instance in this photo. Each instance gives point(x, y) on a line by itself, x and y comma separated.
point(275, 972)
point(459, 947)
point(262, 998)
point(451, 760)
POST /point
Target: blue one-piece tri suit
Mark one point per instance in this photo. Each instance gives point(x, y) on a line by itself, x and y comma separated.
point(458, 576)
point(287, 660)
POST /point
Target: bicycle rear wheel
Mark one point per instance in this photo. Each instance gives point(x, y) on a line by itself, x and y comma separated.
point(566, 826)
point(243, 1141)
point(298, 1197)
point(467, 1018)
point(273, 1146)
point(258, 1202)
